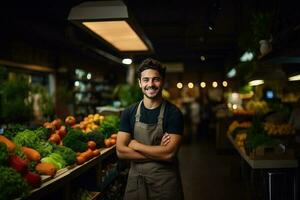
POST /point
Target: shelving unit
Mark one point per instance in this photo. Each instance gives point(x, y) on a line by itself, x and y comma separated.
point(264, 164)
point(271, 173)
point(90, 92)
point(65, 177)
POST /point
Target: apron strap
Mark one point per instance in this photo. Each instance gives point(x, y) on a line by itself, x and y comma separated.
point(138, 112)
point(161, 112)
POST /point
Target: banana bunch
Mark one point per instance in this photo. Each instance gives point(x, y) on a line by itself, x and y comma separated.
point(279, 129)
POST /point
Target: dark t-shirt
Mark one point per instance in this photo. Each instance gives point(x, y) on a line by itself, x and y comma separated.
point(172, 121)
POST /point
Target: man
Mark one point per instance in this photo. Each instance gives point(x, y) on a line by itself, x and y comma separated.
point(149, 136)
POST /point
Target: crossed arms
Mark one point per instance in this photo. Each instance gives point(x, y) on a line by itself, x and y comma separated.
point(131, 149)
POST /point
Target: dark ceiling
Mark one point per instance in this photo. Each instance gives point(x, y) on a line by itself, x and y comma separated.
point(179, 30)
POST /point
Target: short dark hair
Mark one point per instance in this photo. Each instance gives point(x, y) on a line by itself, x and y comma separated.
point(151, 63)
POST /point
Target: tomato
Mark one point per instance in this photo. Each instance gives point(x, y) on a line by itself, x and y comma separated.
point(57, 123)
point(92, 145)
point(70, 120)
point(62, 131)
point(54, 138)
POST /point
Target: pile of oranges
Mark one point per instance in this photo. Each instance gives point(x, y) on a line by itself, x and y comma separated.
point(111, 140)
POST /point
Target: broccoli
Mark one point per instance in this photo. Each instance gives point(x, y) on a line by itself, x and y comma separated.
point(107, 128)
point(43, 133)
point(44, 148)
point(12, 130)
point(97, 137)
point(76, 140)
point(27, 138)
point(12, 184)
point(67, 154)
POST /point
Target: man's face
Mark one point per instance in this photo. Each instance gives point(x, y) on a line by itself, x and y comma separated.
point(151, 83)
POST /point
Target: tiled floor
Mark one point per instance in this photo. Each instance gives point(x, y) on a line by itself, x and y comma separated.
point(207, 175)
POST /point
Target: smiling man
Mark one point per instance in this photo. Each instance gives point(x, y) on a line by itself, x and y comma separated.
point(149, 136)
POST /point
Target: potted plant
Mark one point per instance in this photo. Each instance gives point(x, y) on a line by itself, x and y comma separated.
point(262, 25)
point(257, 38)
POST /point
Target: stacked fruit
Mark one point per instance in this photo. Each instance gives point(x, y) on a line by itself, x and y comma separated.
point(257, 106)
point(88, 154)
point(111, 140)
point(58, 130)
point(279, 129)
point(90, 123)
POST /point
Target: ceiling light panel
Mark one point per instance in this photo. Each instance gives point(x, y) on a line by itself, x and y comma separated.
point(117, 33)
point(110, 21)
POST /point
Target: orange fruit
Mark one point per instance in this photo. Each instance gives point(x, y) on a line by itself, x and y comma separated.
point(107, 142)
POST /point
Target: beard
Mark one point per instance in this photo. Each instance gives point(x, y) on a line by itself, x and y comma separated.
point(158, 92)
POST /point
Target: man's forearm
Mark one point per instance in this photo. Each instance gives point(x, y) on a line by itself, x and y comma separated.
point(125, 152)
point(154, 152)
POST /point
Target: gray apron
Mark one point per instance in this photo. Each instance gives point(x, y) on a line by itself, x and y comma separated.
point(152, 180)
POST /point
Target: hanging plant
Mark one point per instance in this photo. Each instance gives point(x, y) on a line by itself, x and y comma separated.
point(262, 25)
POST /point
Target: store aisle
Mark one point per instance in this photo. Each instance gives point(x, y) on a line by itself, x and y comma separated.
point(207, 175)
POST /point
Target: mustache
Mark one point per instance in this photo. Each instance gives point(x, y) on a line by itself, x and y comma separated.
point(151, 87)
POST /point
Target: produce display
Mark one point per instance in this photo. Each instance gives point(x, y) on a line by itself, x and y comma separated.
point(238, 130)
point(259, 135)
point(273, 129)
point(261, 138)
point(27, 154)
point(257, 106)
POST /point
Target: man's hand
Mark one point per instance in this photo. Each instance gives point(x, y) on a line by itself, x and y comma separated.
point(165, 139)
point(165, 151)
point(125, 152)
point(132, 144)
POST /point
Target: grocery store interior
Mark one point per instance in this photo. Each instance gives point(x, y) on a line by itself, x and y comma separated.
point(67, 72)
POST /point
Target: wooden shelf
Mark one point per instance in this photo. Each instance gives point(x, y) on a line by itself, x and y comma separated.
point(65, 175)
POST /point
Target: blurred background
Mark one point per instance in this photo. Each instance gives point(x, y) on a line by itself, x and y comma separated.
point(232, 68)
